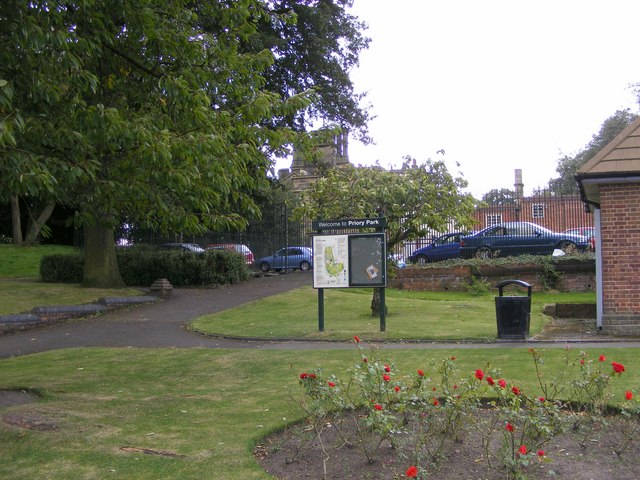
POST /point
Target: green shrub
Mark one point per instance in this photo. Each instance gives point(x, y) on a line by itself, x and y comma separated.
point(142, 265)
point(62, 268)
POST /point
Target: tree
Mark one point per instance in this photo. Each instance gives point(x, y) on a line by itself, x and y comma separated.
point(414, 200)
point(316, 51)
point(501, 197)
point(138, 108)
point(568, 165)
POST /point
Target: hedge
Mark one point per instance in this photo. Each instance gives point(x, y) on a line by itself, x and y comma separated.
point(141, 266)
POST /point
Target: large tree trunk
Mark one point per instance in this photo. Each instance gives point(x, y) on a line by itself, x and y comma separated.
point(100, 264)
point(16, 224)
point(36, 226)
point(375, 304)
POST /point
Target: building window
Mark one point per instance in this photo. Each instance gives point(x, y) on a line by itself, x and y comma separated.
point(493, 219)
point(537, 210)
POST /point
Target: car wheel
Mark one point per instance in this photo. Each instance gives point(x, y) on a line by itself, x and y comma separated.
point(483, 253)
point(422, 259)
point(568, 247)
point(264, 266)
point(304, 266)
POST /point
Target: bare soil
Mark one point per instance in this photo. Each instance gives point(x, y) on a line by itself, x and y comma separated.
point(579, 454)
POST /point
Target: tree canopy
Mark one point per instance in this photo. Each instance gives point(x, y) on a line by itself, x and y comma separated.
point(316, 51)
point(152, 109)
point(499, 197)
point(568, 165)
point(414, 200)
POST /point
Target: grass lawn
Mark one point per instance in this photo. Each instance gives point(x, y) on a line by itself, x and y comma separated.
point(24, 262)
point(201, 411)
point(198, 413)
point(20, 289)
point(412, 315)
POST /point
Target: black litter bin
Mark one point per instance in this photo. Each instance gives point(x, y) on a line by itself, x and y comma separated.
point(513, 313)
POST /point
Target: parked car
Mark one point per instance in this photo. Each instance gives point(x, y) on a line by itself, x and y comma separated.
point(589, 232)
point(187, 247)
point(289, 258)
point(519, 238)
point(234, 247)
point(444, 247)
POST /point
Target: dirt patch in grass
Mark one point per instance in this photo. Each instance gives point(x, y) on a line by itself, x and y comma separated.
point(578, 454)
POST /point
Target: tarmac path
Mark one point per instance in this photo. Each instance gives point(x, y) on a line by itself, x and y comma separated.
point(164, 325)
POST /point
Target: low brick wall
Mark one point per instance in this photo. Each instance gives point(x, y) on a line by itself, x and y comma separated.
point(574, 276)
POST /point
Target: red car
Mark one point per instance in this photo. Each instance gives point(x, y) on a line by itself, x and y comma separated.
point(589, 232)
point(234, 247)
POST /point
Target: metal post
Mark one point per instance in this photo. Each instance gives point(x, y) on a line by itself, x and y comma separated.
point(321, 309)
point(383, 307)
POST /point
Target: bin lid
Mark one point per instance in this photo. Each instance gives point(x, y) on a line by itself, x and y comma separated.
point(520, 283)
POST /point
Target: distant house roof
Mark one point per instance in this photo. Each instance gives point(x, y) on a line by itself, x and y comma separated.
point(617, 162)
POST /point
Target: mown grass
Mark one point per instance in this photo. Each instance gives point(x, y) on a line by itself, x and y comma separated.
point(198, 413)
point(439, 316)
point(21, 290)
point(202, 411)
point(24, 262)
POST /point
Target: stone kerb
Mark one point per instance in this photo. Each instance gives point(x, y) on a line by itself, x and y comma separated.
point(40, 316)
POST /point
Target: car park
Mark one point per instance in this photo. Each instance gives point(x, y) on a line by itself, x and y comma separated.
point(519, 238)
point(287, 258)
point(185, 247)
point(234, 247)
point(444, 247)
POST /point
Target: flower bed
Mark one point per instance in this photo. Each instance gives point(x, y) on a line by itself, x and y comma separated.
point(443, 424)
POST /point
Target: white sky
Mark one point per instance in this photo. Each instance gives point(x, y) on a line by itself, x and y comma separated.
point(498, 85)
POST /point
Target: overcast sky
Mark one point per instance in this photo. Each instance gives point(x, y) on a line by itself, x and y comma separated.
point(497, 85)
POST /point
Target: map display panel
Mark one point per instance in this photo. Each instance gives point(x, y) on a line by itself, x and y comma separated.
point(330, 261)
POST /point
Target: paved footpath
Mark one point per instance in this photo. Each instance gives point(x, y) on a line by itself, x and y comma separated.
point(164, 325)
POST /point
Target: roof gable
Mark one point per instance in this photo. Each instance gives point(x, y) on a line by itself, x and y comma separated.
point(620, 155)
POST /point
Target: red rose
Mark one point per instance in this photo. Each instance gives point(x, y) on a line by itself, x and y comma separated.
point(420, 373)
point(396, 388)
point(453, 358)
point(386, 377)
point(502, 383)
point(435, 402)
point(509, 427)
point(617, 367)
point(387, 368)
point(377, 406)
point(312, 375)
point(582, 361)
point(479, 374)
point(331, 384)
point(515, 390)
point(412, 472)
point(602, 358)
point(522, 450)
point(365, 359)
point(541, 399)
point(303, 376)
point(356, 338)
point(628, 395)
point(490, 381)
point(541, 453)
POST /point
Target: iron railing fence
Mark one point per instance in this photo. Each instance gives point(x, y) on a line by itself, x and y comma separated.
point(277, 229)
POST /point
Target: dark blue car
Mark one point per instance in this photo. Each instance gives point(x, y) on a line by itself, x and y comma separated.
point(444, 247)
point(520, 238)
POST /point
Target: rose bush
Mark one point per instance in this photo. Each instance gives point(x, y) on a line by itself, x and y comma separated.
point(422, 416)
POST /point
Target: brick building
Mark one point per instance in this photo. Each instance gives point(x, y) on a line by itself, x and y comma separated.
point(610, 187)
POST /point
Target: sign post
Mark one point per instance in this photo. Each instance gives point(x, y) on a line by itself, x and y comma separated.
point(350, 260)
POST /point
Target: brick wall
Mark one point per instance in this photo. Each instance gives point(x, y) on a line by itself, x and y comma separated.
point(576, 277)
point(620, 226)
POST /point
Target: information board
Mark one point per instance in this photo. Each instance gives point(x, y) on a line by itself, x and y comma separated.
point(367, 260)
